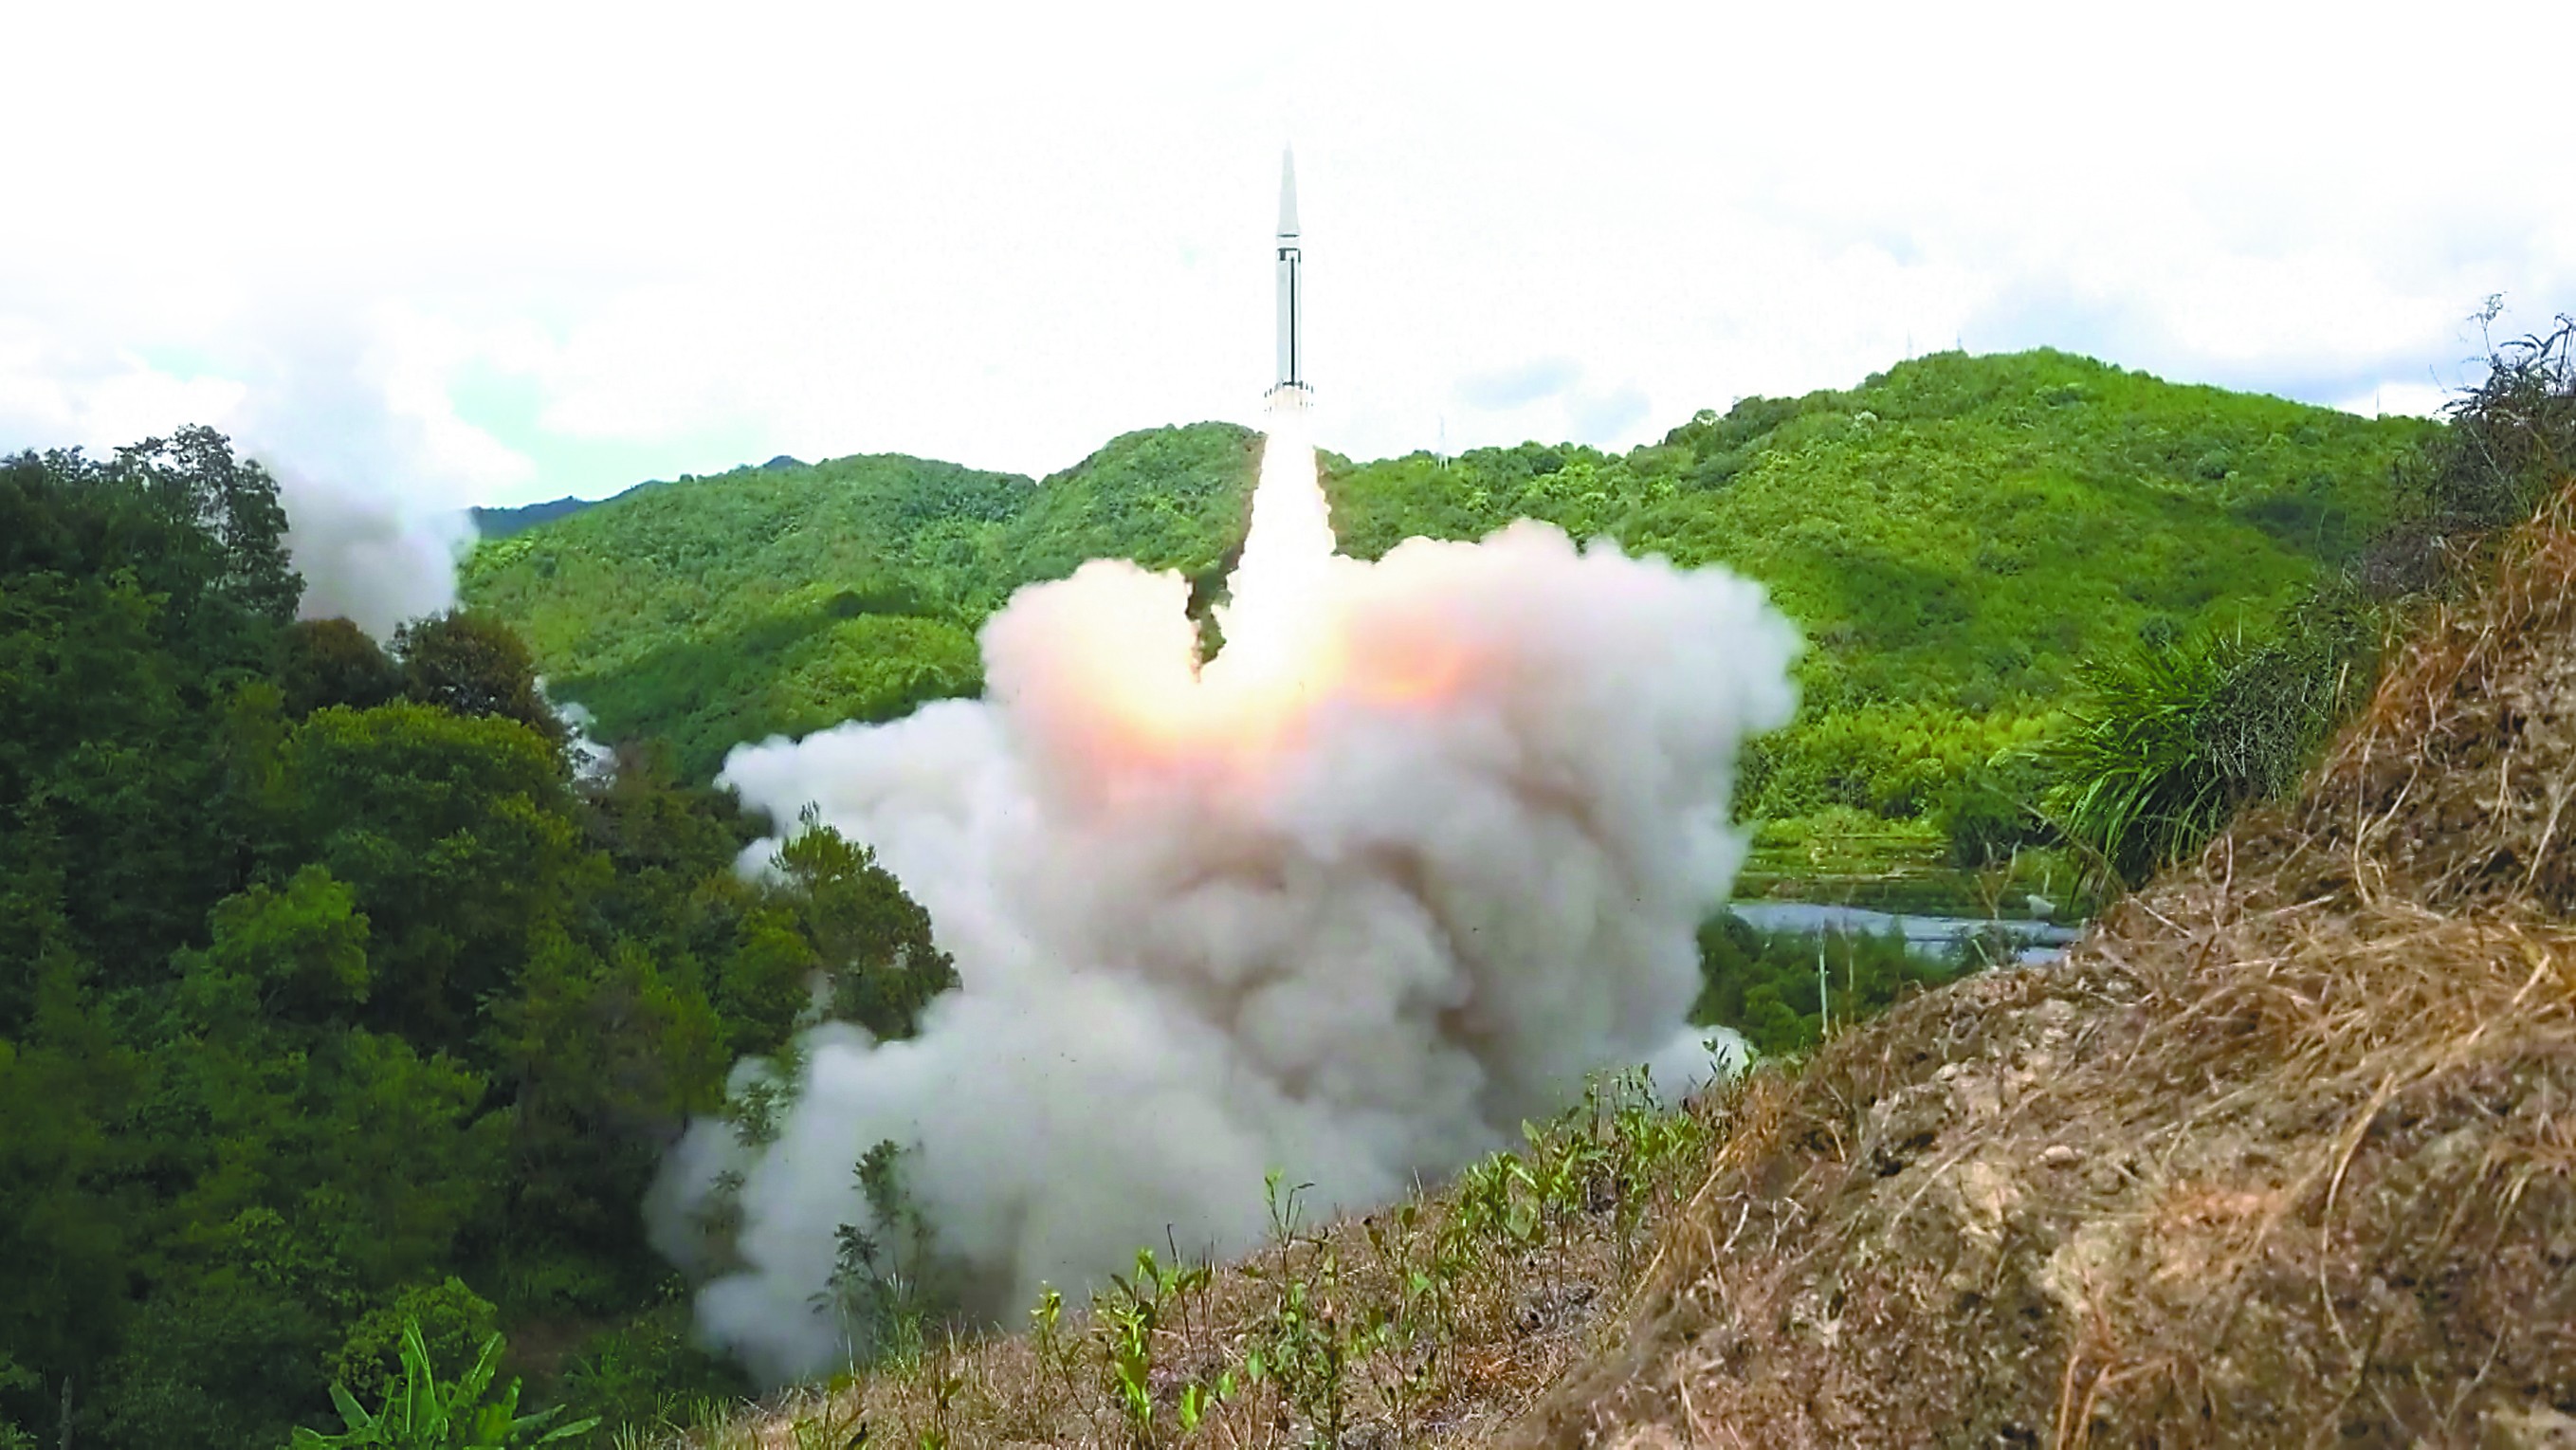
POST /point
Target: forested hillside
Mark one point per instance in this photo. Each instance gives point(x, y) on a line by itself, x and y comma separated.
point(331, 996)
point(1954, 535)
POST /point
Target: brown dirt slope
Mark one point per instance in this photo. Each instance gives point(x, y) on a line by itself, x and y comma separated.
point(2281, 1155)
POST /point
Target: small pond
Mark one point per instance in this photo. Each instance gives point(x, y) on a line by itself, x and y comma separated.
point(1940, 936)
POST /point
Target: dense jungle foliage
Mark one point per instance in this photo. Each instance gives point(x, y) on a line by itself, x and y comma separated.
point(334, 999)
point(1954, 535)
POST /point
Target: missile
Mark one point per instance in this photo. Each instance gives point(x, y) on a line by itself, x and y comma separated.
point(1292, 300)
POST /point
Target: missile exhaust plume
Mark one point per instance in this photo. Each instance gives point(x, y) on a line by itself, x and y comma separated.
point(1426, 842)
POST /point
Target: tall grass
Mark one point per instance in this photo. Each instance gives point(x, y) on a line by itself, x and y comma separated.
point(2164, 747)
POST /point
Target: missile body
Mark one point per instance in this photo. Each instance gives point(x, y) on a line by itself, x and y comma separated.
point(1292, 283)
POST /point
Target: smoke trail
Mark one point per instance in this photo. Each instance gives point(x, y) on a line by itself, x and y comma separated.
point(591, 760)
point(1428, 841)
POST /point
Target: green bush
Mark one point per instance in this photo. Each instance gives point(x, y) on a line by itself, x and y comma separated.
point(421, 1414)
point(1988, 817)
point(2167, 745)
point(453, 1322)
point(646, 1372)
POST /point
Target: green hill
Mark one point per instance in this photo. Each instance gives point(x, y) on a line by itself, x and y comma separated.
point(1954, 535)
point(501, 523)
point(729, 608)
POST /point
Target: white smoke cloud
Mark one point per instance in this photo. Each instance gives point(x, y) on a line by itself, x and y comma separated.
point(370, 557)
point(1424, 846)
point(591, 758)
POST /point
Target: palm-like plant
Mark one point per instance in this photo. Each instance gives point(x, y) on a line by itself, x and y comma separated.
point(421, 1414)
point(2168, 745)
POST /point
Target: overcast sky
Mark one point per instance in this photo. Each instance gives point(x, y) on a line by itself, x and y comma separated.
point(499, 254)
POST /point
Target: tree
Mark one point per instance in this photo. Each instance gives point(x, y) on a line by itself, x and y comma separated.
point(457, 836)
point(874, 940)
point(190, 521)
point(473, 664)
point(333, 662)
point(106, 780)
point(312, 994)
point(72, 1220)
point(193, 480)
point(306, 1167)
point(294, 955)
point(604, 1054)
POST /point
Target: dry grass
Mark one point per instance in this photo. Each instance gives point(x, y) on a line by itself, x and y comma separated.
point(2284, 1154)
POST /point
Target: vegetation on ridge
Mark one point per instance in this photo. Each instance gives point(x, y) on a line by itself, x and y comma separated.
point(1957, 536)
point(2165, 744)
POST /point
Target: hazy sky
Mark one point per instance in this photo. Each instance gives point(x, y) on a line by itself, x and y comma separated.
point(493, 254)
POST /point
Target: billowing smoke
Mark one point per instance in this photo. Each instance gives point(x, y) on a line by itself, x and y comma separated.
point(370, 557)
point(1427, 843)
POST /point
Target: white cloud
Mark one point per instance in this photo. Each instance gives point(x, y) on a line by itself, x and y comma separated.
point(2422, 400)
point(982, 235)
point(410, 359)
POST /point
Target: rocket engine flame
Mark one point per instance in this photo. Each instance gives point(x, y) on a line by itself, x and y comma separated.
point(1280, 633)
point(1427, 841)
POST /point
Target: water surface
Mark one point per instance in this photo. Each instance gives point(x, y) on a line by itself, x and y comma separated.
point(1939, 936)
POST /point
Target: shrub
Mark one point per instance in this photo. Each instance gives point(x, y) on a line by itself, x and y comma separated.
point(646, 1372)
point(453, 1322)
point(2510, 436)
point(1988, 817)
point(2170, 743)
point(421, 1414)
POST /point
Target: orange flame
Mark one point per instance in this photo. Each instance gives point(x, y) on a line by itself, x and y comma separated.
point(1292, 643)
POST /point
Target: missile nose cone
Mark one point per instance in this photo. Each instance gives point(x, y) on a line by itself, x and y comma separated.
point(1287, 193)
